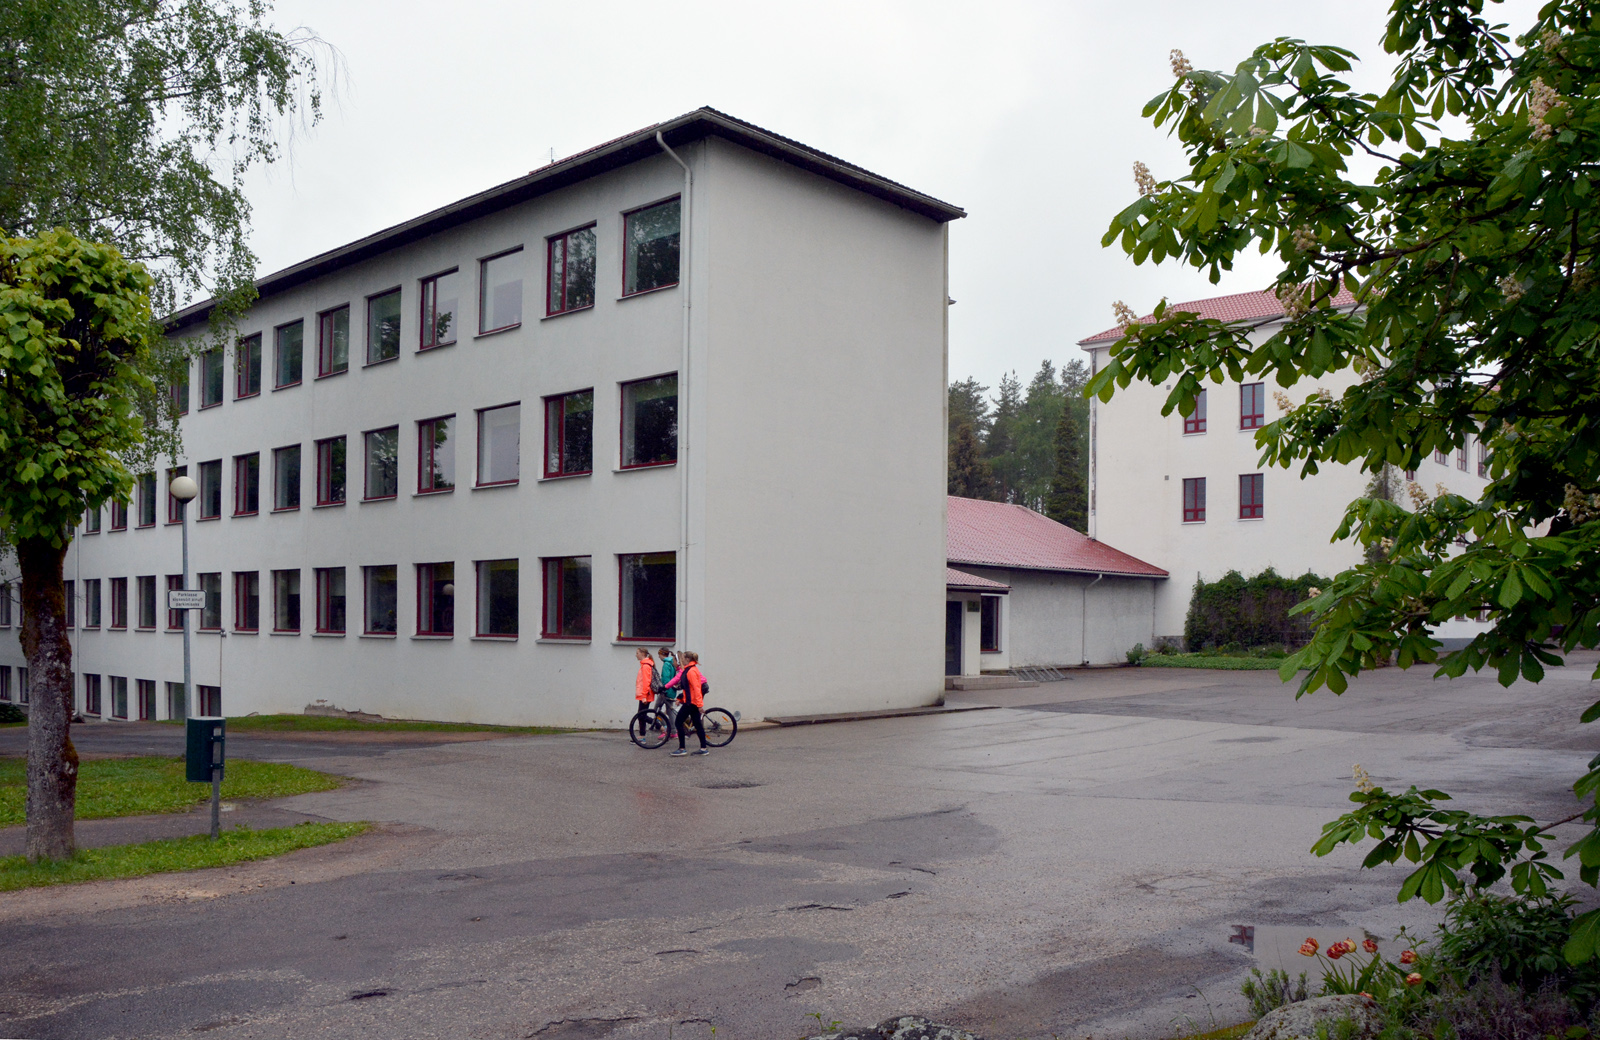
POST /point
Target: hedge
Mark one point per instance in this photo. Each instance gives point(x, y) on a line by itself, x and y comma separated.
point(1243, 612)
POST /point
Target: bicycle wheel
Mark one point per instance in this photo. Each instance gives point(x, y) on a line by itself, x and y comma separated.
point(648, 730)
point(721, 726)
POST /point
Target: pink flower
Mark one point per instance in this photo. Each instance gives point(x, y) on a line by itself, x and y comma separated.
point(1408, 957)
point(1414, 979)
point(1370, 945)
point(1308, 948)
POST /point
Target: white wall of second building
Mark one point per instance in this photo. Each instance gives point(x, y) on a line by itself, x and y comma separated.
point(768, 511)
point(1055, 619)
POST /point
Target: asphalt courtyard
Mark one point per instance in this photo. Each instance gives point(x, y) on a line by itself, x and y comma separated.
point(1085, 858)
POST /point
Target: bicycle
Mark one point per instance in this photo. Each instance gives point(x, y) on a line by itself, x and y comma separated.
point(650, 728)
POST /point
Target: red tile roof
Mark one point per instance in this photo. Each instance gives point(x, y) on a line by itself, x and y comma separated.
point(1249, 306)
point(954, 579)
point(999, 534)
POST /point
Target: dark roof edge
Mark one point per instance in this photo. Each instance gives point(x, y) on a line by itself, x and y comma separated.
point(1107, 571)
point(623, 151)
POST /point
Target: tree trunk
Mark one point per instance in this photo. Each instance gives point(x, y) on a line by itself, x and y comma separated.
point(52, 760)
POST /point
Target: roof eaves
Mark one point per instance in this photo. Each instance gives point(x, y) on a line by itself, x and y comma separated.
point(630, 148)
point(1155, 572)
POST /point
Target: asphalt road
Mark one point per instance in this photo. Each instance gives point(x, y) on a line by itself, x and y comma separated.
point(1072, 863)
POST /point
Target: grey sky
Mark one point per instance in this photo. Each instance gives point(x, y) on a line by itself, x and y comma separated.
point(1024, 113)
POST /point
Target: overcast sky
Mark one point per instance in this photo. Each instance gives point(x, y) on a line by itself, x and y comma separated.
point(1024, 113)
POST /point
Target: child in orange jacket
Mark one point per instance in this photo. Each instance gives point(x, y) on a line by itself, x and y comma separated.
point(693, 682)
point(642, 683)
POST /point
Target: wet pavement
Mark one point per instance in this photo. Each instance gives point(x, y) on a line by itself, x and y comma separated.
point(1072, 863)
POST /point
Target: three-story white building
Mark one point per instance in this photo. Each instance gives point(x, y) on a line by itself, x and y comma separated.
point(685, 388)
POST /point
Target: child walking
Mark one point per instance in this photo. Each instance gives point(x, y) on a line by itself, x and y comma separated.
point(643, 686)
point(666, 701)
point(694, 700)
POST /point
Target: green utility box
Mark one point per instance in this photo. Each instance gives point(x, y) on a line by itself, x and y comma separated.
point(205, 748)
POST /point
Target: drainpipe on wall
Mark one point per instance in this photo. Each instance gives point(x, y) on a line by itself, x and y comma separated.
point(1094, 451)
point(683, 398)
point(1083, 618)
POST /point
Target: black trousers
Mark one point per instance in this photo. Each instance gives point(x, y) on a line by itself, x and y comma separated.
point(686, 712)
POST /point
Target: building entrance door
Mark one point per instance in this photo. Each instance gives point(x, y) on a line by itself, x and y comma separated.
point(952, 637)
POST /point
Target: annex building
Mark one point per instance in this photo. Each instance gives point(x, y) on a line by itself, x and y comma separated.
point(685, 388)
point(1189, 492)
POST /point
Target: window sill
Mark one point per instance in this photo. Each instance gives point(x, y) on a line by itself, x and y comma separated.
point(619, 641)
point(436, 346)
point(287, 509)
point(208, 407)
point(91, 628)
point(241, 516)
point(112, 628)
point(379, 498)
point(327, 635)
point(649, 465)
point(116, 530)
point(207, 519)
point(144, 527)
point(288, 386)
point(209, 632)
point(1193, 523)
point(330, 375)
point(646, 292)
point(245, 397)
point(496, 332)
point(493, 639)
point(91, 532)
point(277, 633)
point(565, 476)
point(496, 484)
point(381, 361)
point(432, 638)
point(328, 505)
point(1251, 519)
point(141, 628)
point(1196, 433)
point(565, 640)
point(430, 494)
point(247, 631)
point(570, 310)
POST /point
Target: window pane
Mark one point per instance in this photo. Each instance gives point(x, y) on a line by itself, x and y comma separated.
point(440, 301)
point(569, 434)
point(211, 615)
point(91, 518)
point(91, 603)
point(286, 601)
point(330, 471)
point(147, 499)
point(119, 697)
point(1250, 496)
point(333, 342)
point(174, 507)
point(180, 392)
point(650, 421)
point(572, 271)
point(211, 375)
point(567, 603)
point(1195, 421)
point(436, 456)
point(287, 364)
point(383, 453)
point(330, 599)
point(649, 606)
point(499, 446)
point(246, 484)
point(436, 599)
point(652, 248)
point(247, 367)
point(119, 602)
point(286, 478)
point(247, 600)
point(211, 489)
point(497, 597)
point(147, 601)
point(382, 599)
point(383, 327)
point(500, 293)
point(1252, 405)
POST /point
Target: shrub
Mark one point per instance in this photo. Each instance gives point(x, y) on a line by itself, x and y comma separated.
point(1235, 611)
point(1272, 991)
point(1491, 1009)
point(12, 713)
point(1136, 654)
point(1518, 939)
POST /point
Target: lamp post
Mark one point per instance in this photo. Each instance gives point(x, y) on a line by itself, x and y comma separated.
point(184, 489)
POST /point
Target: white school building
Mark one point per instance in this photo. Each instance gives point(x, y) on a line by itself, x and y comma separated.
point(1189, 494)
point(684, 388)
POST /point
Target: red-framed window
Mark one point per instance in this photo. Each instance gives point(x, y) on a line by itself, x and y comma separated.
point(147, 500)
point(288, 358)
point(211, 613)
point(381, 450)
point(179, 393)
point(147, 699)
point(331, 471)
point(380, 596)
point(568, 598)
point(649, 423)
point(1411, 474)
point(286, 601)
point(500, 291)
point(1194, 500)
point(247, 367)
point(91, 695)
point(146, 585)
point(569, 434)
point(1195, 421)
point(247, 484)
point(119, 516)
point(647, 596)
point(1483, 460)
point(212, 378)
point(333, 341)
point(91, 521)
point(383, 326)
point(436, 455)
point(650, 247)
point(72, 603)
point(247, 601)
point(570, 271)
point(286, 478)
point(441, 300)
point(1252, 501)
point(91, 603)
point(497, 598)
point(210, 489)
point(174, 617)
point(1461, 457)
point(330, 600)
point(499, 444)
point(208, 700)
point(119, 696)
point(175, 507)
point(119, 602)
point(1441, 457)
point(1252, 406)
point(436, 599)
point(989, 625)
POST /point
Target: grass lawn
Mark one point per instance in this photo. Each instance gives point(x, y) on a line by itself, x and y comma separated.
point(135, 786)
point(334, 724)
point(159, 857)
point(1232, 664)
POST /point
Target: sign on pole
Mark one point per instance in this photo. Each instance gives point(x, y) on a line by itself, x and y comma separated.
point(186, 599)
